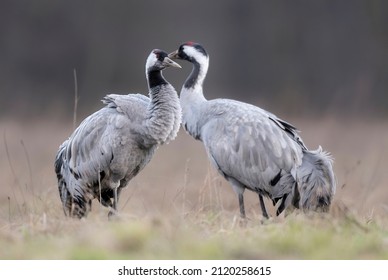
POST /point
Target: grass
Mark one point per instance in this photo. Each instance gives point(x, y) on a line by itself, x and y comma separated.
point(178, 208)
point(198, 236)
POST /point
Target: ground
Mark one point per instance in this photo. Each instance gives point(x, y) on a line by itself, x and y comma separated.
point(179, 208)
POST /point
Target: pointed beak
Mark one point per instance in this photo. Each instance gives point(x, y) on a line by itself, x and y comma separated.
point(169, 62)
point(174, 55)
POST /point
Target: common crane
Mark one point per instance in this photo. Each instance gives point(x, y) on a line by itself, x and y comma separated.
point(114, 144)
point(252, 148)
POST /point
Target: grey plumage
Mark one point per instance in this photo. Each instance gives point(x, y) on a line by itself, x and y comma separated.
point(252, 148)
point(114, 144)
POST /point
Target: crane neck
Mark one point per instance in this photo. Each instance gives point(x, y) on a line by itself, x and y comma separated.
point(155, 78)
point(197, 76)
point(163, 114)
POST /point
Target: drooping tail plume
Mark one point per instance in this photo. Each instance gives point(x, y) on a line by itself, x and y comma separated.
point(73, 205)
point(316, 184)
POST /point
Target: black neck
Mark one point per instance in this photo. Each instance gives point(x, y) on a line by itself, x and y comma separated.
point(193, 77)
point(155, 78)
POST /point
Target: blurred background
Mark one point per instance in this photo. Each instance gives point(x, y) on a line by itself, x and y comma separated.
point(321, 65)
point(322, 57)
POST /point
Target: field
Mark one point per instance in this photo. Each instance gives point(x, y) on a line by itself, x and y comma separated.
point(179, 208)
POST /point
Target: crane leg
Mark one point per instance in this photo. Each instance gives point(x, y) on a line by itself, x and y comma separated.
point(115, 199)
point(113, 211)
point(241, 203)
point(116, 193)
point(282, 205)
point(239, 189)
point(262, 205)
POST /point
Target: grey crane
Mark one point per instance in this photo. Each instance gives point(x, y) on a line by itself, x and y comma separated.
point(114, 144)
point(252, 148)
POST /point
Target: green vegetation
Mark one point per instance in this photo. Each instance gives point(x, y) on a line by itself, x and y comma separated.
point(196, 236)
point(179, 208)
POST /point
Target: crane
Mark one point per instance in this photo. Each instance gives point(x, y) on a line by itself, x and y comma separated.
point(114, 144)
point(252, 148)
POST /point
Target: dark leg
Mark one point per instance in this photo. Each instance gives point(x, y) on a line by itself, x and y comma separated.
point(282, 205)
point(239, 189)
point(296, 196)
point(262, 205)
point(115, 199)
point(241, 203)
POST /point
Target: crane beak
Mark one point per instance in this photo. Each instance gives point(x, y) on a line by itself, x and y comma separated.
point(174, 55)
point(169, 62)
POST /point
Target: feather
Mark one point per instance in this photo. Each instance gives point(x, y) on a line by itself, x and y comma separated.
point(114, 144)
point(252, 148)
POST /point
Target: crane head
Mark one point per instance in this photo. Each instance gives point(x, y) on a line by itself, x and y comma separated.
point(159, 60)
point(190, 51)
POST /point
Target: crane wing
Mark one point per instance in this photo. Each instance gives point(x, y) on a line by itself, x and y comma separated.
point(249, 144)
point(91, 147)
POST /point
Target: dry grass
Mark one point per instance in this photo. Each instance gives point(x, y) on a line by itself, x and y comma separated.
point(178, 208)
